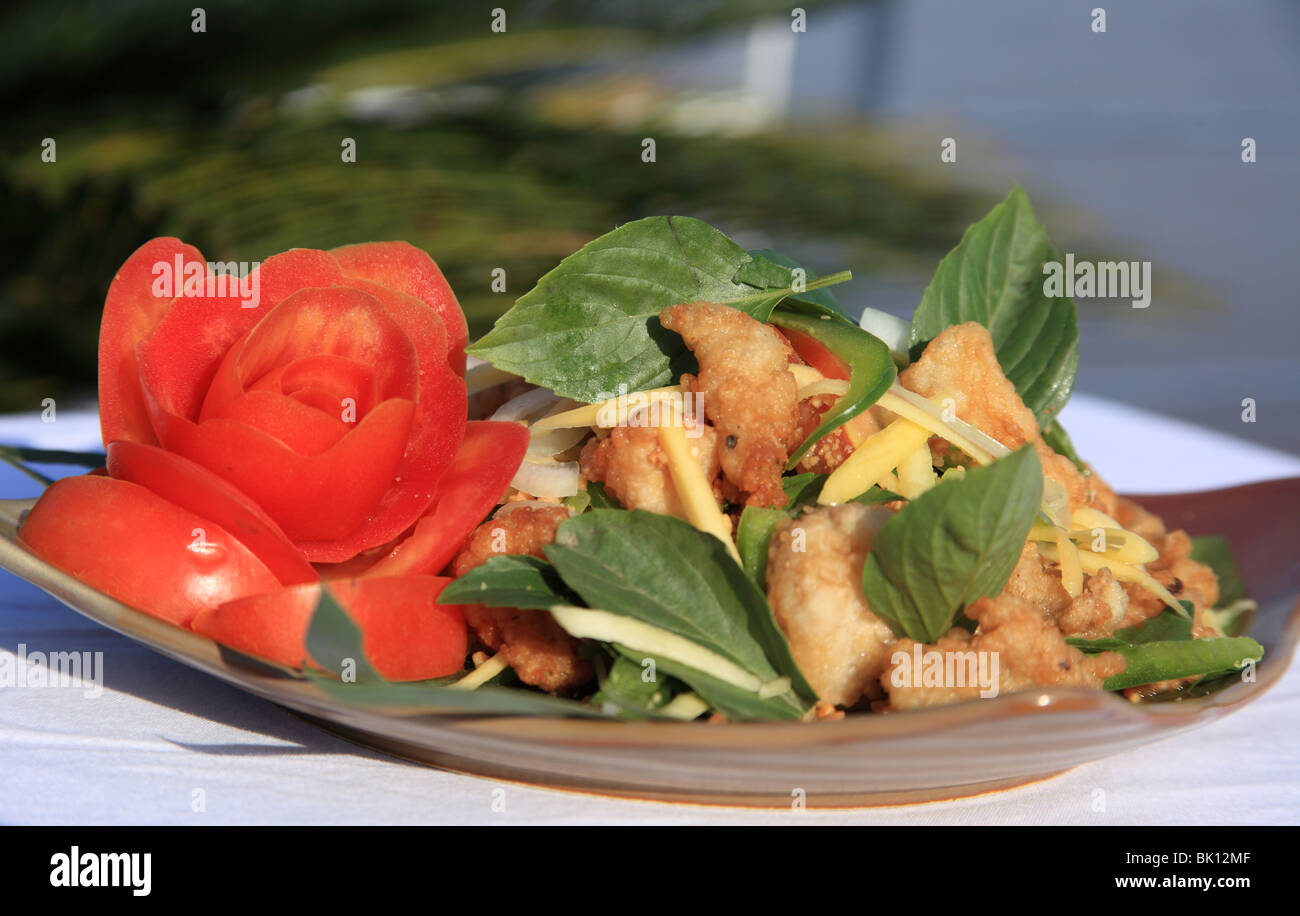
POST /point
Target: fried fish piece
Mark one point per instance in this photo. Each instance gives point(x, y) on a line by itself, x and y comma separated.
point(632, 464)
point(1029, 649)
point(750, 395)
point(531, 642)
point(814, 584)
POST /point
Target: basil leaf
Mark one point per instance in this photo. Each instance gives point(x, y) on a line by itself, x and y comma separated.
point(995, 276)
point(592, 323)
point(1162, 661)
point(769, 270)
point(1215, 552)
point(334, 641)
point(952, 544)
point(1167, 626)
point(728, 698)
point(600, 497)
point(509, 580)
point(485, 700)
point(660, 570)
point(871, 369)
point(627, 688)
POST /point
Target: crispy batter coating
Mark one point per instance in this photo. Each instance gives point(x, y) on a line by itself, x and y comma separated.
point(531, 642)
point(1031, 651)
point(632, 464)
point(814, 583)
point(750, 395)
point(833, 449)
point(961, 364)
point(1098, 610)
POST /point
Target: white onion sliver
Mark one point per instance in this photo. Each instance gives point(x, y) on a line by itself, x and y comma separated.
point(547, 478)
point(549, 442)
point(526, 405)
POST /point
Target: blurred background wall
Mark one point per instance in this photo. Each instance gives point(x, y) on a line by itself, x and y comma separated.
point(510, 149)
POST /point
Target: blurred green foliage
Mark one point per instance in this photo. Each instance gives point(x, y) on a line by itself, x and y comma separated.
point(231, 141)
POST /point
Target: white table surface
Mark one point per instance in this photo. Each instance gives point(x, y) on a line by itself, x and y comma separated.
point(161, 733)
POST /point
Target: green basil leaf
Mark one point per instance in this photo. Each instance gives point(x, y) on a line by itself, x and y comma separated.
point(871, 369)
point(592, 323)
point(600, 497)
point(627, 688)
point(770, 270)
point(660, 570)
point(485, 700)
point(951, 545)
point(334, 641)
point(1161, 661)
point(995, 276)
point(1215, 552)
point(1167, 626)
point(509, 580)
point(727, 698)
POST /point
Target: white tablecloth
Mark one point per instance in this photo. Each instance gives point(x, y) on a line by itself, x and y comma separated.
point(164, 740)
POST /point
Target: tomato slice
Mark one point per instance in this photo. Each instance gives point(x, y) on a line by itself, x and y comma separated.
point(816, 354)
point(407, 269)
point(196, 489)
point(405, 633)
point(478, 476)
point(131, 313)
point(139, 548)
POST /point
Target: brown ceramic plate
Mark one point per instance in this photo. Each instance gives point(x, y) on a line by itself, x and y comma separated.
point(863, 759)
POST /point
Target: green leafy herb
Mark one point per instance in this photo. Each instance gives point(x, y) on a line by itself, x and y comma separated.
point(485, 700)
point(1167, 626)
point(600, 497)
point(1215, 552)
point(592, 323)
point(509, 580)
point(632, 691)
point(663, 572)
point(995, 277)
point(334, 641)
point(1150, 662)
point(871, 369)
point(951, 545)
point(770, 270)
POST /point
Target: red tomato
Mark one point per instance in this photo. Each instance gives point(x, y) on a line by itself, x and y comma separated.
point(405, 633)
point(139, 548)
point(403, 267)
point(815, 353)
point(487, 461)
point(195, 488)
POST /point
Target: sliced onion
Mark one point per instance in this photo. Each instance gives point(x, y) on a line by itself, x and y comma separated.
point(547, 478)
point(526, 406)
point(547, 443)
point(480, 376)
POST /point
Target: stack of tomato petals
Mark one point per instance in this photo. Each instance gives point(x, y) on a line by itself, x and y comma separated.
point(308, 423)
